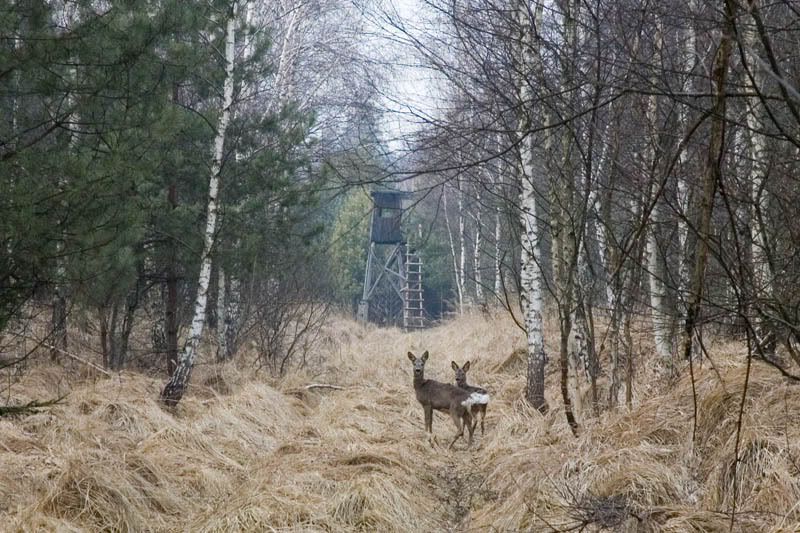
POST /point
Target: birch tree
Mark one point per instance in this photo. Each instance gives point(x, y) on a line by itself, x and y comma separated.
point(656, 272)
point(531, 277)
point(759, 199)
point(174, 389)
point(456, 254)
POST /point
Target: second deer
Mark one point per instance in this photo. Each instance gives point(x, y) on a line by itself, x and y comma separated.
point(478, 408)
point(444, 397)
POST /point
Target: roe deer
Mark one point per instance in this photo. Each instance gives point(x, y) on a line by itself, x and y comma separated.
point(478, 408)
point(443, 397)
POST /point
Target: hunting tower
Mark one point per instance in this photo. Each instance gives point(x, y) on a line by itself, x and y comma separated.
point(393, 275)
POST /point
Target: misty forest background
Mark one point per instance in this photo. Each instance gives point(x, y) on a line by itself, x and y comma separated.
point(187, 182)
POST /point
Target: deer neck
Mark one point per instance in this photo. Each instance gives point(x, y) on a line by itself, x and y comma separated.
point(419, 381)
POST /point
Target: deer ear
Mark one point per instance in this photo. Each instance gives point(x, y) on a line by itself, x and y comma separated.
point(466, 366)
point(411, 356)
point(454, 365)
point(425, 356)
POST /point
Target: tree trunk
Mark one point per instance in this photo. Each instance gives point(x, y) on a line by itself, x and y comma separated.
point(176, 386)
point(457, 273)
point(531, 276)
point(498, 233)
point(498, 280)
point(228, 311)
point(171, 303)
point(682, 186)
point(476, 252)
point(59, 316)
point(711, 176)
point(656, 272)
point(759, 207)
point(463, 249)
point(158, 333)
point(222, 297)
point(567, 220)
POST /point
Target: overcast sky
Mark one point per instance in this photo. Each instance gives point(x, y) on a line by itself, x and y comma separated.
point(410, 97)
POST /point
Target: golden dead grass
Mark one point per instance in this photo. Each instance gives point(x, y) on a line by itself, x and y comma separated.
point(241, 454)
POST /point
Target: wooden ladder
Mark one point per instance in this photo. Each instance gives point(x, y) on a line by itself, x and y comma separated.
point(413, 309)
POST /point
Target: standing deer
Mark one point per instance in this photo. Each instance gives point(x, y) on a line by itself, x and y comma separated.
point(478, 408)
point(444, 397)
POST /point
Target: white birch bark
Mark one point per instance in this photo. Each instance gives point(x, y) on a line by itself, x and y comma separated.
point(454, 256)
point(498, 231)
point(656, 271)
point(531, 276)
point(595, 208)
point(476, 251)
point(690, 58)
point(175, 388)
point(498, 280)
point(287, 56)
point(759, 206)
point(462, 258)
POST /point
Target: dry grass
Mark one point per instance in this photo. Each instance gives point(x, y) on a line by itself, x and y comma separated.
point(246, 455)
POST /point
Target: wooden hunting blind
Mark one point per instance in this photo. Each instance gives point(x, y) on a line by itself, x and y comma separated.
point(386, 217)
point(393, 276)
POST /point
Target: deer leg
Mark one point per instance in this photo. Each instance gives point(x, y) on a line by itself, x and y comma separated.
point(459, 422)
point(428, 418)
point(483, 416)
point(470, 425)
point(475, 410)
point(429, 424)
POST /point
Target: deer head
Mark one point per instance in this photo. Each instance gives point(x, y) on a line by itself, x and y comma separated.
point(461, 373)
point(419, 364)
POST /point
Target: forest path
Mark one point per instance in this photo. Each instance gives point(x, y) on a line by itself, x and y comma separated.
point(460, 482)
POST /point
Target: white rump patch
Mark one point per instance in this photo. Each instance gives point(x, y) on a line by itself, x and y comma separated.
point(476, 398)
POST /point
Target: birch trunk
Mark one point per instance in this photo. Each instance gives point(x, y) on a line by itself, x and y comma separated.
point(476, 253)
point(599, 233)
point(463, 248)
point(531, 284)
point(287, 58)
point(683, 192)
point(656, 274)
point(568, 224)
point(498, 232)
point(175, 388)
point(762, 271)
point(531, 276)
point(454, 256)
point(498, 280)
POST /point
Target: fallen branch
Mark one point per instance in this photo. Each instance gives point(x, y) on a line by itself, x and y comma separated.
point(29, 408)
point(70, 355)
point(322, 386)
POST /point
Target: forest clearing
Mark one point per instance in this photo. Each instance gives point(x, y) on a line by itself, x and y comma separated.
point(238, 238)
point(245, 454)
